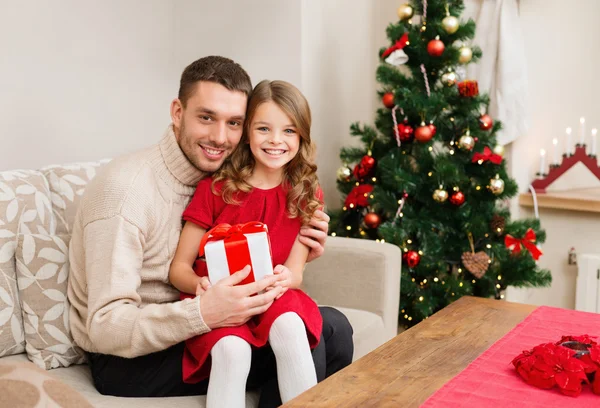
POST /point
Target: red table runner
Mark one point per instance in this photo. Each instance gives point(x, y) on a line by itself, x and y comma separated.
point(492, 381)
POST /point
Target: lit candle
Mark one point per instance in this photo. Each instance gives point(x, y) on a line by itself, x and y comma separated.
point(542, 161)
point(568, 147)
point(582, 131)
point(555, 151)
point(594, 131)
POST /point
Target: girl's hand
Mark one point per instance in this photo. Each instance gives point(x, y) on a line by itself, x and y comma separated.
point(284, 278)
point(203, 285)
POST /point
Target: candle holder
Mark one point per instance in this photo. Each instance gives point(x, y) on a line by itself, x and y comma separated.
point(568, 161)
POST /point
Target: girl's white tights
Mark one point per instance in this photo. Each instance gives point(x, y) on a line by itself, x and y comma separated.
point(231, 358)
point(295, 367)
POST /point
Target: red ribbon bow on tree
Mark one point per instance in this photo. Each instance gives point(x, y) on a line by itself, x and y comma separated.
point(487, 155)
point(528, 241)
point(398, 45)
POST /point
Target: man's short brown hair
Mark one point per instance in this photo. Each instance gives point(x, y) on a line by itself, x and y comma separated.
point(217, 69)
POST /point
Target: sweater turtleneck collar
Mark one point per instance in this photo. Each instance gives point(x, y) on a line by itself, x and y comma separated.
point(178, 167)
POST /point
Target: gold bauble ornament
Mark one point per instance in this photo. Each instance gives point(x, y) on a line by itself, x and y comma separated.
point(440, 195)
point(344, 173)
point(466, 141)
point(497, 185)
point(465, 54)
point(499, 150)
point(405, 12)
point(449, 78)
point(450, 24)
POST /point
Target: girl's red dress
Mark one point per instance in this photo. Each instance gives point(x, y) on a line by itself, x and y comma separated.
point(269, 207)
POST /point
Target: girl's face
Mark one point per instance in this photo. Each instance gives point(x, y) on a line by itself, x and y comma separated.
point(273, 138)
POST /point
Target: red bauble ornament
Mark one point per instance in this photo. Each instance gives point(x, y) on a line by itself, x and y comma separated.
point(468, 88)
point(388, 100)
point(435, 48)
point(412, 258)
point(433, 129)
point(485, 122)
point(364, 168)
point(423, 133)
point(458, 198)
point(372, 220)
point(406, 132)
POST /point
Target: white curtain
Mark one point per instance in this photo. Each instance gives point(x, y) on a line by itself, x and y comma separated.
point(501, 72)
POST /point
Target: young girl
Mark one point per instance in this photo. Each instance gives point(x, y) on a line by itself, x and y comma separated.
point(271, 178)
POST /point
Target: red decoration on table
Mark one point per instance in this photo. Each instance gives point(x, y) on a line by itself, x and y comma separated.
point(412, 258)
point(487, 155)
point(543, 325)
point(372, 220)
point(423, 134)
point(398, 45)
point(528, 241)
point(406, 132)
point(359, 196)
point(388, 100)
point(236, 251)
point(435, 47)
point(458, 198)
point(567, 364)
point(468, 88)
point(485, 122)
point(364, 168)
point(580, 156)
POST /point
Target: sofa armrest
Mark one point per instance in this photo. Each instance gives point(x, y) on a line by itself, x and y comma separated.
point(358, 274)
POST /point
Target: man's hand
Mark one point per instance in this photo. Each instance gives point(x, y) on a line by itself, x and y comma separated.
point(284, 278)
point(314, 234)
point(226, 305)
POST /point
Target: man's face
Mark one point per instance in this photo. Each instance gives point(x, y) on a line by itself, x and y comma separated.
point(211, 124)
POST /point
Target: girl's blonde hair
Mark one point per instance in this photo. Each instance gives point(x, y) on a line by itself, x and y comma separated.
point(300, 174)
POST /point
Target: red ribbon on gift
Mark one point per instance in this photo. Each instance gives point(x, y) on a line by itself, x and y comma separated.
point(528, 241)
point(398, 45)
point(236, 244)
point(487, 155)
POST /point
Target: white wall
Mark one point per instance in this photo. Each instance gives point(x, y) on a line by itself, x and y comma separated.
point(262, 35)
point(82, 80)
point(564, 84)
point(87, 80)
point(339, 59)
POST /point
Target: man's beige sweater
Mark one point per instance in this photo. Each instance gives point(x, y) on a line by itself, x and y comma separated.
point(124, 238)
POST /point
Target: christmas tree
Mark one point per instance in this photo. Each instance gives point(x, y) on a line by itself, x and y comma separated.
point(430, 178)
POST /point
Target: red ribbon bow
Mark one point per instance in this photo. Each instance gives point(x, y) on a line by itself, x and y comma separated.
point(398, 45)
point(228, 232)
point(487, 155)
point(528, 241)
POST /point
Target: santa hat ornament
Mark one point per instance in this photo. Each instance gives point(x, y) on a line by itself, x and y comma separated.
point(395, 55)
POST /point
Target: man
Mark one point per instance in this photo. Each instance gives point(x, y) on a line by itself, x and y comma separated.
point(124, 312)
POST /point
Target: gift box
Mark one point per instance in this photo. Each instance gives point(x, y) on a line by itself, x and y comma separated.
point(228, 248)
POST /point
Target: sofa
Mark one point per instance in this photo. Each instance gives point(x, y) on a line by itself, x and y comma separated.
point(39, 361)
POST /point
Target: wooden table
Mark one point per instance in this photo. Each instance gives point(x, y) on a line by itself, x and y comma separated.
point(408, 369)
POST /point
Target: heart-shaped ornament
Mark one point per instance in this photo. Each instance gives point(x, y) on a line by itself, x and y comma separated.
point(476, 262)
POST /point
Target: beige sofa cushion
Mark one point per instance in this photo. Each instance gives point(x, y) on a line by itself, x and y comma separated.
point(42, 271)
point(24, 207)
point(67, 184)
point(22, 384)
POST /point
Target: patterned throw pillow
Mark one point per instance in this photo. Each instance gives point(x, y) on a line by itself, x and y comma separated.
point(67, 184)
point(42, 271)
point(24, 208)
point(25, 385)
